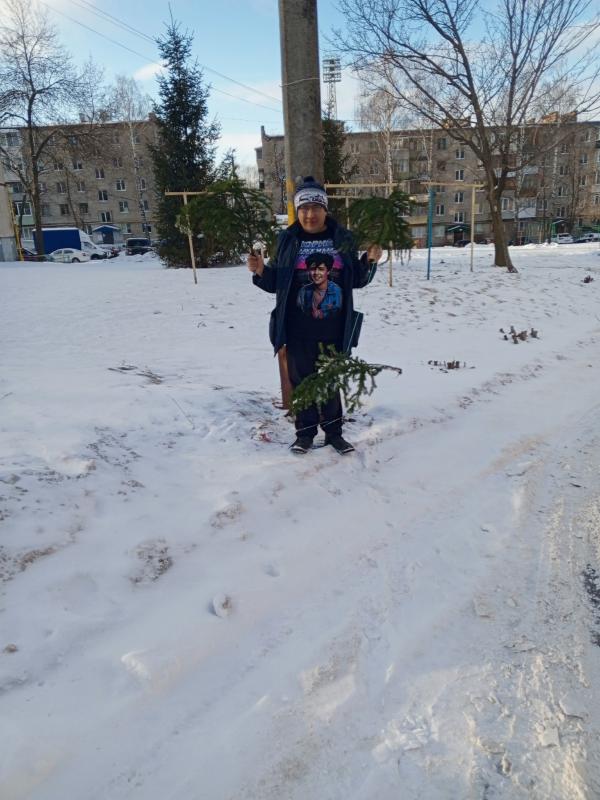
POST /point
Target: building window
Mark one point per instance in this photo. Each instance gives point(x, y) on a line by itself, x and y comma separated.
point(564, 148)
point(583, 180)
point(460, 152)
point(145, 205)
point(77, 166)
point(25, 208)
point(543, 205)
point(58, 165)
point(459, 216)
point(16, 187)
point(100, 172)
point(61, 187)
point(354, 147)
point(126, 227)
point(561, 191)
point(373, 168)
point(120, 185)
point(115, 138)
point(507, 204)
point(81, 186)
point(73, 139)
point(583, 159)
point(563, 169)
point(142, 181)
point(64, 209)
point(459, 175)
point(441, 165)
point(442, 143)
point(43, 187)
point(561, 211)
point(597, 180)
point(103, 195)
point(117, 162)
point(439, 210)
point(9, 139)
point(597, 199)
point(459, 197)
point(46, 210)
point(136, 138)
point(83, 208)
point(124, 206)
point(138, 162)
point(106, 216)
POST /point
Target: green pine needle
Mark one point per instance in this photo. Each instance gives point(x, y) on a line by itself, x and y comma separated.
point(336, 371)
point(382, 221)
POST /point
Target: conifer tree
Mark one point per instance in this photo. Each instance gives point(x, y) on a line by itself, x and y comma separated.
point(184, 154)
point(338, 165)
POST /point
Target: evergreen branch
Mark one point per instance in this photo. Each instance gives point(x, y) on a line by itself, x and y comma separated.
point(382, 221)
point(352, 377)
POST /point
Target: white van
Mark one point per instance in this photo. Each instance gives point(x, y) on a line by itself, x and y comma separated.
point(562, 238)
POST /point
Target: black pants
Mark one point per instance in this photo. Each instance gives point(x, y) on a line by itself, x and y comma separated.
point(301, 358)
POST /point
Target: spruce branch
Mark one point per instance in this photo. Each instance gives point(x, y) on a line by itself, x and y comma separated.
point(336, 371)
point(382, 221)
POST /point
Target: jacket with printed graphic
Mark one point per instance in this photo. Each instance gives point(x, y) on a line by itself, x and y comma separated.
point(278, 275)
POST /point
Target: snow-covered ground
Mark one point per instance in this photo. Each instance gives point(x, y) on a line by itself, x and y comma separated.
point(191, 612)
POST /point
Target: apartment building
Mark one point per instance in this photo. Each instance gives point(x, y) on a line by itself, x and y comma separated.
point(89, 179)
point(552, 188)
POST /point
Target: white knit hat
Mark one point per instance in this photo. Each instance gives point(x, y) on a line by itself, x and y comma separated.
point(310, 191)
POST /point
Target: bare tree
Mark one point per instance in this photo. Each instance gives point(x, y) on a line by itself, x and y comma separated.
point(130, 106)
point(378, 110)
point(481, 92)
point(39, 87)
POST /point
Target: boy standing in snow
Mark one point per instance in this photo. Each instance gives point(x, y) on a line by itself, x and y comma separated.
point(328, 316)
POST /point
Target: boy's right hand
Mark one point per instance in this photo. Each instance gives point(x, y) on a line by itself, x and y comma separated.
point(256, 263)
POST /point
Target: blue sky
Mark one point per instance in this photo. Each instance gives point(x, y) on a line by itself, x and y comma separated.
point(237, 38)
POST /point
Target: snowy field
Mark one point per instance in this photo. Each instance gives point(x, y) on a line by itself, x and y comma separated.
point(191, 612)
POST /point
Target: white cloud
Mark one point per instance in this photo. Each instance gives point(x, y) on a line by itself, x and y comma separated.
point(244, 144)
point(148, 71)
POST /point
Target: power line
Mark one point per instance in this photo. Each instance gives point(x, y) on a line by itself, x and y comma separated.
point(87, 6)
point(149, 61)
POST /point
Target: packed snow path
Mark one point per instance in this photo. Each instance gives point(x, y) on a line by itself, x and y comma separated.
point(191, 612)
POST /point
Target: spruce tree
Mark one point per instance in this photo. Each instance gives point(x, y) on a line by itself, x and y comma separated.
point(338, 166)
point(184, 154)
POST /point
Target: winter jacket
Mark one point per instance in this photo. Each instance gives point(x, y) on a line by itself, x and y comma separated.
point(278, 276)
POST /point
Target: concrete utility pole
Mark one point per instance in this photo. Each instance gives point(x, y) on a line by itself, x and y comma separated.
point(301, 89)
point(301, 93)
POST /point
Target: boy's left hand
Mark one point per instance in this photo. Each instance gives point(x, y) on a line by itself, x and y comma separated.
point(374, 252)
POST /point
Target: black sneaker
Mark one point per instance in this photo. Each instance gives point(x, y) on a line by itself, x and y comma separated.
point(302, 444)
point(339, 443)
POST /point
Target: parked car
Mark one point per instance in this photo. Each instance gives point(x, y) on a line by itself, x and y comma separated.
point(111, 250)
point(69, 255)
point(562, 238)
point(31, 255)
point(589, 237)
point(138, 246)
point(94, 251)
point(461, 243)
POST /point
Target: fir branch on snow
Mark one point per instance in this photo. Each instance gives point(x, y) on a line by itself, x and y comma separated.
point(336, 371)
